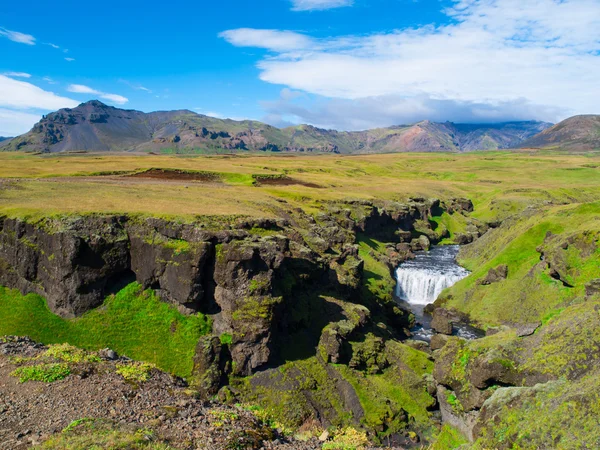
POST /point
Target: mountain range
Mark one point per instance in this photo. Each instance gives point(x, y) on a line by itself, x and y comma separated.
point(94, 126)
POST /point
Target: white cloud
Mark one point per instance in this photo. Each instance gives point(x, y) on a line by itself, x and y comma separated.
point(136, 86)
point(49, 80)
point(372, 112)
point(82, 89)
point(14, 123)
point(274, 40)
point(540, 53)
point(311, 5)
point(52, 45)
point(70, 59)
point(15, 36)
point(17, 74)
point(23, 95)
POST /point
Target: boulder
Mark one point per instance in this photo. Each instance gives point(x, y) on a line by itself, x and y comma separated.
point(495, 275)
point(592, 288)
point(442, 321)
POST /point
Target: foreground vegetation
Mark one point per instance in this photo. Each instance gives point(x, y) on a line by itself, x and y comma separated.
point(133, 322)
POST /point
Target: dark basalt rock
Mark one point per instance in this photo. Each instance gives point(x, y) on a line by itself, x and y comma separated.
point(592, 288)
point(495, 275)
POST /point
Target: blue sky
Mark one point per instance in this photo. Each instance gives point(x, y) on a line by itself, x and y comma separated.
point(346, 64)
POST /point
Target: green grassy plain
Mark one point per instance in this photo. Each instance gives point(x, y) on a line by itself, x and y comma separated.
point(499, 183)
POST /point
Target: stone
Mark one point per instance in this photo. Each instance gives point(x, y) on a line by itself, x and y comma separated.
point(592, 288)
point(438, 341)
point(495, 275)
point(442, 321)
point(324, 436)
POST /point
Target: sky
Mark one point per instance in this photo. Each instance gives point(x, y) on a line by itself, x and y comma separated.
point(342, 64)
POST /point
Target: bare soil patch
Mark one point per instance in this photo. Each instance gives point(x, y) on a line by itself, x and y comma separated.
point(176, 175)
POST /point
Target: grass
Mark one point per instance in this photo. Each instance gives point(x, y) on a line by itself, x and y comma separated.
point(133, 322)
point(529, 293)
point(52, 184)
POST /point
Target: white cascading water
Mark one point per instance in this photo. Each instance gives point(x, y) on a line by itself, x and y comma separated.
point(421, 280)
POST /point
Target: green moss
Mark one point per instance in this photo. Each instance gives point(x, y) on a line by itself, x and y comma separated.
point(47, 373)
point(133, 322)
point(70, 354)
point(449, 438)
point(226, 338)
point(558, 414)
point(135, 372)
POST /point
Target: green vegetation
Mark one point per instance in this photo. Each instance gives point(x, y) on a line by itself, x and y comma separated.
point(135, 372)
point(568, 237)
point(347, 439)
point(449, 438)
point(558, 414)
point(48, 373)
point(96, 434)
point(132, 322)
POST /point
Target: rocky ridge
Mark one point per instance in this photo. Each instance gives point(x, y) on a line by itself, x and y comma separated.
point(94, 126)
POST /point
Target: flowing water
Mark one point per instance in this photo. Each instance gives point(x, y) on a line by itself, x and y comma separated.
point(421, 280)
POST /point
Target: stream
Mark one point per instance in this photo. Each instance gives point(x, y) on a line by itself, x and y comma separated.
point(421, 280)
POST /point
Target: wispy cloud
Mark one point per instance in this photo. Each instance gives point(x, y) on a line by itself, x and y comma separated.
point(136, 86)
point(16, 36)
point(52, 45)
point(274, 40)
point(82, 89)
point(544, 53)
point(49, 80)
point(17, 74)
point(70, 59)
point(312, 5)
point(23, 95)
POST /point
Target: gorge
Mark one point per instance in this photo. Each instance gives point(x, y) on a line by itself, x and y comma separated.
point(288, 310)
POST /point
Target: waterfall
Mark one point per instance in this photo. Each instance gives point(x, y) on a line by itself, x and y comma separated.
point(420, 281)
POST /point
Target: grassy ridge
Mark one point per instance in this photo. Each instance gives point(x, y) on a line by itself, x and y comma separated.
point(133, 322)
point(530, 293)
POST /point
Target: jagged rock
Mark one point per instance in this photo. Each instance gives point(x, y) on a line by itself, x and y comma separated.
point(369, 355)
point(438, 341)
point(209, 365)
point(592, 288)
point(459, 205)
point(420, 244)
point(527, 329)
point(495, 275)
point(453, 414)
point(442, 321)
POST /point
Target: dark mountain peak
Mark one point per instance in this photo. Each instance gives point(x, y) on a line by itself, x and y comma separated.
point(93, 104)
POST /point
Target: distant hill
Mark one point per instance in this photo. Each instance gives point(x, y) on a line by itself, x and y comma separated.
point(578, 133)
point(3, 138)
point(94, 126)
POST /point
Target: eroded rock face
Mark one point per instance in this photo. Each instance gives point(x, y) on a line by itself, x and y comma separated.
point(246, 281)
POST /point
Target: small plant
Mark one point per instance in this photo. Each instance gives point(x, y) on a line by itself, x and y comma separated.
point(347, 439)
point(226, 338)
point(70, 354)
point(76, 423)
point(135, 372)
point(47, 373)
